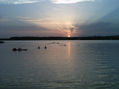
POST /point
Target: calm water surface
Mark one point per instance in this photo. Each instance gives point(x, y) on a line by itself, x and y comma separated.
point(63, 65)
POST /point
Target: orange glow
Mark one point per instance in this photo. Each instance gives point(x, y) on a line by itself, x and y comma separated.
point(63, 27)
point(69, 49)
point(69, 35)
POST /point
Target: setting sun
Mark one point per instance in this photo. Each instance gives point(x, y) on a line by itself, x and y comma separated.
point(68, 35)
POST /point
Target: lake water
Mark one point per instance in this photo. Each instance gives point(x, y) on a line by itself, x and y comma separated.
point(63, 65)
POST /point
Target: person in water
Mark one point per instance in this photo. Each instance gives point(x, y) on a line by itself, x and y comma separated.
point(38, 47)
point(45, 47)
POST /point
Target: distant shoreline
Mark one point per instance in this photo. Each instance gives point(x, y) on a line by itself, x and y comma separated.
point(63, 38)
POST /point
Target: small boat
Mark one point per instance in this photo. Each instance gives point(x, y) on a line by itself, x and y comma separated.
point(1, 41)
point(38, 47)
point(19, 49)
point(45, 47)
point(24, 49)
point(14, 49)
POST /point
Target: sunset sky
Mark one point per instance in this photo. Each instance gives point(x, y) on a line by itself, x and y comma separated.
point(59, 17)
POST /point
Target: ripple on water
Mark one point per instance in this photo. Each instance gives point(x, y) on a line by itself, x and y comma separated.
point(105, 85)
point(57, 84)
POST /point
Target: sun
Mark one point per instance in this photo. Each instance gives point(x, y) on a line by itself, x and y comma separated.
point(69, 35)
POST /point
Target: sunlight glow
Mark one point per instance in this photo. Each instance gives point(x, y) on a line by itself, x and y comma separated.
point(69, 35)
point(69, 50)
point(65, 28)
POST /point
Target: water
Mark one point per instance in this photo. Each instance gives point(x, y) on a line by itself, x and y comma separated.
point(63, 65)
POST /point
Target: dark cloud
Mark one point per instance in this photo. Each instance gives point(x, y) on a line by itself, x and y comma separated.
point(99, 28)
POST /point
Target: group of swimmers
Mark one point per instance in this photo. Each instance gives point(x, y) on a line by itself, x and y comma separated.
point(40, 47)
point(21, 49)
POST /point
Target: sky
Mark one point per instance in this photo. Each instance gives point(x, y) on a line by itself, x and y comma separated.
point(65, 18)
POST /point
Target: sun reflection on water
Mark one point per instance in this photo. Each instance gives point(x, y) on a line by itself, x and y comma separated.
point(69, 50)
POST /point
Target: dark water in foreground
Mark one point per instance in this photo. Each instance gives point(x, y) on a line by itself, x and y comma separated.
point(64, 65)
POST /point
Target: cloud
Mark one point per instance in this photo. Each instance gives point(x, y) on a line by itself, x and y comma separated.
point(3, 19)
point(98, 28)
point(69, 1)
point(18, 1)
point(36, 1)
point(64, 27)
